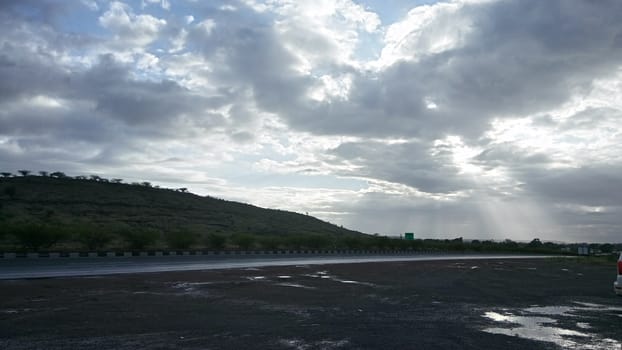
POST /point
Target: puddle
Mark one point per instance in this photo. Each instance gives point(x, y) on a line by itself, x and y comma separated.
point(597, 307)
point(325, 275)
point(284, 277)
point(9, 311)
point(293, 285)
point(353, 282)
point(255, 278)
point(474, 267)
point(540, 323)
point(188, 288)
point(300, 344)
point(189, 285)
point(550, 310)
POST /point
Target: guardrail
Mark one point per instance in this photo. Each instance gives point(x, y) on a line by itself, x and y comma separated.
point(160, 253)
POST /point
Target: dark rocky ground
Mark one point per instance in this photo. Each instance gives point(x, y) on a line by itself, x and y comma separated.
point(398, 305)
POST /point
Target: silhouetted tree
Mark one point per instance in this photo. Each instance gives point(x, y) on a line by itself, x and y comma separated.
point(6, 174)
point(95, 177)
point(535, 243)
point(58, 174)
point(183, 189)
point(43, 173)
point(116, 181)
point(146, 183)
point(24, 172)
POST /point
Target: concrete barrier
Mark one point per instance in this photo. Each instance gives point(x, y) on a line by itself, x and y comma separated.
point(160, 253)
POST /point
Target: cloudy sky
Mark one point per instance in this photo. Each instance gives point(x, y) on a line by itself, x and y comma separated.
point(475, 118)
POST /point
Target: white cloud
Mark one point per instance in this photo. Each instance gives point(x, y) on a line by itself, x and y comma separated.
point(130, 31)
point(206, 25)
point(426, 30)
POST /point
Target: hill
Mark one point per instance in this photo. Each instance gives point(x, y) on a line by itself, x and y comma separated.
point(115, 209)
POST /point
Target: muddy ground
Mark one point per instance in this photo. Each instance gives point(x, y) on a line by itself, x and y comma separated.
point(485, 304)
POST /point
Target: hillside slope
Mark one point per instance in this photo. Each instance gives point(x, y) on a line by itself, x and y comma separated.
point(68, 200)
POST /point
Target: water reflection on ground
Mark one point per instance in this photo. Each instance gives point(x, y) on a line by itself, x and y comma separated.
point(564, 325)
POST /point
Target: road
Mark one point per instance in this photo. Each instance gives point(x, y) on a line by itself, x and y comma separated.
point(510, 304)
point(75, 267)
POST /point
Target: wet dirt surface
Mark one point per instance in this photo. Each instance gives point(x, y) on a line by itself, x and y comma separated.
point(494, 304)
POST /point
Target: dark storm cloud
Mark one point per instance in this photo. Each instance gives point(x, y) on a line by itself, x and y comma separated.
point(109, 85)
point(588, 185)
point(248, 53)
point(508, 155)
point(410, 164)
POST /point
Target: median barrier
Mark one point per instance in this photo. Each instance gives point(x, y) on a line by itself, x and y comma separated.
point(160, 253)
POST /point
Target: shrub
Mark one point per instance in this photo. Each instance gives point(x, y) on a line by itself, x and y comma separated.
point(270, 242)
point(91, 237)
point(316, 241)
point(180, 239)
point(34, 236)
point(139, 238)
point(243, 241)
point(216, 241)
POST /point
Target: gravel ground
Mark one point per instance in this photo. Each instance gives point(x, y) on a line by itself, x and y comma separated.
point(493, 304)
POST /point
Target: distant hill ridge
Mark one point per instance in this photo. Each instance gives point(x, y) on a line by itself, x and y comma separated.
point(107, 203)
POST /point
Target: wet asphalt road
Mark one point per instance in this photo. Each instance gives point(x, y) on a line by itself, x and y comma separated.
point(442, 304)
point(73, 267)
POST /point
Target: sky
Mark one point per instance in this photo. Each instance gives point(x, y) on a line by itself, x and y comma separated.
point(476, 118)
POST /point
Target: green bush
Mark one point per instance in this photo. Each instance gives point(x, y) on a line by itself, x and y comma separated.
point(243, 241)
point(270, 242)
point(137, 238)
point(316, 241)
point(180, 239)
point(36, 236)
point(216, 241)
point(92, 237)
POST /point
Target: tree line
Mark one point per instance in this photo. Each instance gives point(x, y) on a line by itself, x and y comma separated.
point(86, 236)
point(96, 178)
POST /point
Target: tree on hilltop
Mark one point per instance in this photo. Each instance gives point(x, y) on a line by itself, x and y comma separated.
point(24, 172)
